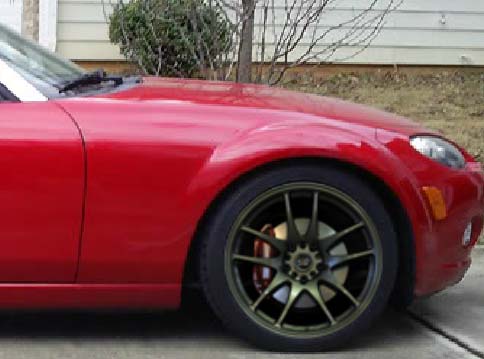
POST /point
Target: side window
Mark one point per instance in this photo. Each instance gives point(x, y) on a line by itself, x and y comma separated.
point(6, 95)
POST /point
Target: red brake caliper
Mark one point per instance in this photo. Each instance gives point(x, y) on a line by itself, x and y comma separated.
point(261, 275)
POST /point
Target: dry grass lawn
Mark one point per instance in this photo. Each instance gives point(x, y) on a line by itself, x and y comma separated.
point(450, 102)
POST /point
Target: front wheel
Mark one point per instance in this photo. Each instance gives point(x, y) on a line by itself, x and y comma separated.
point(299, 259)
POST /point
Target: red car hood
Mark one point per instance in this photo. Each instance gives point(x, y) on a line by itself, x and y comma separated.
point(263, 97)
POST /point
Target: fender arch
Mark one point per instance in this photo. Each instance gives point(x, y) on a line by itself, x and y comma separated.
point(368, 159)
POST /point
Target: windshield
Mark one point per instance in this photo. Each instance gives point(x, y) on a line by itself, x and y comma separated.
point(42, 68)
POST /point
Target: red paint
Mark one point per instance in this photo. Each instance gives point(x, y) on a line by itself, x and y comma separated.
point(94, 296)
point(41, 193)
point(159, 153)
point(441, 258)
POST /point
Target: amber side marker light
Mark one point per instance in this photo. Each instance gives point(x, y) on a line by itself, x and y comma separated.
point(436, 202)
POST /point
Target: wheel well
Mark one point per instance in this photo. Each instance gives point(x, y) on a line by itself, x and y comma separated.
point(403, 292)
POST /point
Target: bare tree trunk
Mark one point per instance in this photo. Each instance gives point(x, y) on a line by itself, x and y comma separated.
point(244, 64)
point(30, 19)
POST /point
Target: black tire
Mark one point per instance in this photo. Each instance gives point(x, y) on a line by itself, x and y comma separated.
point(214, 238)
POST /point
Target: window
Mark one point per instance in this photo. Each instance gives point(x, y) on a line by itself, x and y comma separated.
point(41, 68)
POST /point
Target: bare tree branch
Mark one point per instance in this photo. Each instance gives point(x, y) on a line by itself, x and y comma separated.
point(288, 33)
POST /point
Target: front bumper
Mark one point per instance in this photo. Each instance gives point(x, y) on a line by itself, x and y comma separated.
point(441, 259)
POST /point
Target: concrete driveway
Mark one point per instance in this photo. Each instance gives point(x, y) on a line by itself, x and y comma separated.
point(449, 325)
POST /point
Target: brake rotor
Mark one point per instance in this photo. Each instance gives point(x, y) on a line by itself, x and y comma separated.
point(262, 276)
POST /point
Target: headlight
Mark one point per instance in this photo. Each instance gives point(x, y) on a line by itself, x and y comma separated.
point(439, 150)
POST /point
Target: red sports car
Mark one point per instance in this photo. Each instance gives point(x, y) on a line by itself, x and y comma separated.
point(300, 216)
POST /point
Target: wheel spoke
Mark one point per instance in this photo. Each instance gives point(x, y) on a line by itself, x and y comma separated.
point(266, 262)
point(276, 283)
point(313, 290)
point(337, 261)
point(294, 293)
point(312, 232)
point(331, 241)
point(328, 278)
point(273, 241)
point(292, 232)
point(283, 230)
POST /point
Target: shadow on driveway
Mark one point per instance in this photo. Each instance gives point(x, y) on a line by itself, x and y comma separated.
point(189, 333)
point(195, 333)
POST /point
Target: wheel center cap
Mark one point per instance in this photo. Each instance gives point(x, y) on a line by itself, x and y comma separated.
point(303, 262)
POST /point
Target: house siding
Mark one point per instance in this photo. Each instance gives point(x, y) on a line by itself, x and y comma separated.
point(430, 32)
point(11, 14)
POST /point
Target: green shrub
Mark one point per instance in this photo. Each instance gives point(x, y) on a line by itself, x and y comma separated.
point(170, 37)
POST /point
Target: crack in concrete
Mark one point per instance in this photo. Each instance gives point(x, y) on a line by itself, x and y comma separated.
point(439, 331)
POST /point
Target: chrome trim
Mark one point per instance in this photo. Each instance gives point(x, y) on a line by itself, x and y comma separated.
point(18, 85)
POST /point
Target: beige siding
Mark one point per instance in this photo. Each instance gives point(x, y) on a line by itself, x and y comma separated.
point(437, 32)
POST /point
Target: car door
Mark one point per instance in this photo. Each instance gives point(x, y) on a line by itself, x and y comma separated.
point(41, 193)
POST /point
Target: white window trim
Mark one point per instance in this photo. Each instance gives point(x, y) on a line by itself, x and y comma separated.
point(48, 24)
point(19, 86)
